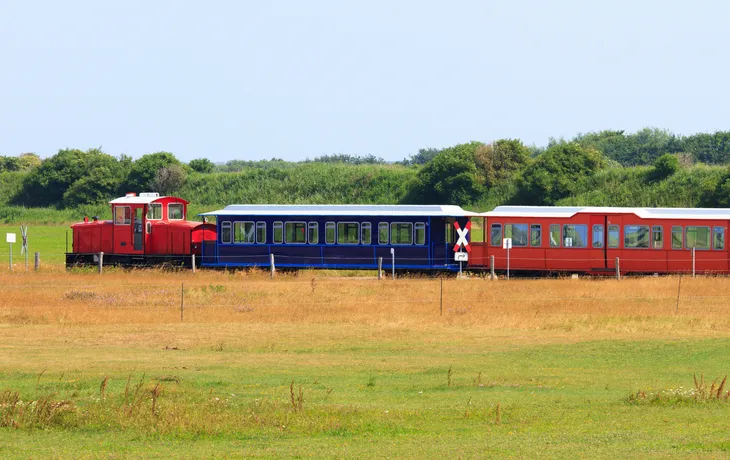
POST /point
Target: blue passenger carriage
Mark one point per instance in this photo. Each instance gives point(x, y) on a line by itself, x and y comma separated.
point(335, 236)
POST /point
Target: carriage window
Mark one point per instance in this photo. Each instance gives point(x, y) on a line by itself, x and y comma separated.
point(401, 233)
point(697, 237)
point(613, 236)
point(676, 237)
point(598, 236)
point(450, 236)
point(535, 235)
point(366, 232)
point(636, 236)
point(261, 232)
point(329, 233)
point(554, 236)
point(278, 232)
point(244, 232)
point(122, 215)
point(313, 232)
point(154, 211)
point(575, 236)
point(518, 233)
point(383, 233)
point(496, 235)
point(657, 237)
point(295, 232)
point(719, 238)
point(225, 232)
point(347, 233)
point(175, 211)
point(420, 233)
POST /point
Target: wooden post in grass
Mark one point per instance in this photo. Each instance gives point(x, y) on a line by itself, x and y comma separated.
point(192, 259)
point(492, 276)
point(380, 268)
point(182, 301)
point(101, 262)
point(693, 262)
point(37, 261)
point(618, 269)
point(272, 266)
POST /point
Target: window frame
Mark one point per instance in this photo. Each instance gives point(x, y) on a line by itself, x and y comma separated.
point(260, 225)
point(573, 246)
point(149, 209)
point(422, 225)
point(491, 235)
point(125, 220)
point(648, 230)
point(558, 243)
point(709, 232)
point(242, 225)
point(539, 240)
point(182, 211)
point(391, 233)
point(512, 234)
point(339, 233)
point(229, 224)
point(601, 233)
point(681, 237)
point(327, 226)
point(656, 229)
point(721, 232)
point(278, 225)
point(611, 228)
point(381, 226)
point(296, 222)
point(313, 226)
point(369, 227)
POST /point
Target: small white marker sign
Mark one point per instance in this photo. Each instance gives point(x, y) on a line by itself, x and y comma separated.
point(10, 237)
point(507, 243)
point(461, 256)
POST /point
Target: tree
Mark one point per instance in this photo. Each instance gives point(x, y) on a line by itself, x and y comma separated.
point(9, 164)
point(664, 166)
point(202, 165)
point(29, 160)
point(168, 180)
point(144, 170)
point(709, 148)
point(501, 159)
point(423, 156)
point(97, 187)
point(557, 173)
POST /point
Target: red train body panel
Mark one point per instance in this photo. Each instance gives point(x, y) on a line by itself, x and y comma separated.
point(652, 240)
point(144, 229)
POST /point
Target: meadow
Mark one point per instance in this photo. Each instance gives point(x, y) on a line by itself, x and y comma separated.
point(312, 365)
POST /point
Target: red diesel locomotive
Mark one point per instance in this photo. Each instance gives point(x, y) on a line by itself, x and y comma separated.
point(145, 228)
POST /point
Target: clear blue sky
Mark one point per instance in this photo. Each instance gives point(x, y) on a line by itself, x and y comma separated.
point(296, 79)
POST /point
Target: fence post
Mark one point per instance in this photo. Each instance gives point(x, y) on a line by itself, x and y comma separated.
point(11, 255)
point(182, 301)
point(193, 261)
point(37, 261)
point(492, 276)
point(380, 268)
point(26, 260)
point(271, 263)
point(392, 253)
point(101, 262)
point(693, 262)
point(441, 298)
point(618, 269)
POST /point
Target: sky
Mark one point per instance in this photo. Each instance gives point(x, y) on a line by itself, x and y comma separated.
point(293, 79)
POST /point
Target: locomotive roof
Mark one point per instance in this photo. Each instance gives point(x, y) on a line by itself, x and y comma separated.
point(644, 213)
point(142, 198)
point(340, 210)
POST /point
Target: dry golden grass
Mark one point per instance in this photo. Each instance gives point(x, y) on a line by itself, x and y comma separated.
point(587, 306)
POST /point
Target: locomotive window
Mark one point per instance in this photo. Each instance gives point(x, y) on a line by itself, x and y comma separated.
point(575, 236)
point(261, 232)
point(495, 237)
point(278, 232)
point(154, 211)
point(401, 233)
point(636, 236)
point(383, 233)
point(449, 233)
point(697, 237)
point(347, 233)
point(518, 233)
point(175, 211)
point(676, 237)
point(225, 232)
point(598, 236)
point(718, 240)
point(657, 237)
point(329, 233)
point(420, 233)
point(122, 215)
point(535, 235)
point(366, 232)
point(295, 232)
point(313, 232)
point(613, 236)
point(554, 236)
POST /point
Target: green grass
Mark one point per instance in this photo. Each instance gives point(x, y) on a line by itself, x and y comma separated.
point(366, 393)
point(49, 240)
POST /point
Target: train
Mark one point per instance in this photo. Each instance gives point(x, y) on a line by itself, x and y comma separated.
point(150, 229)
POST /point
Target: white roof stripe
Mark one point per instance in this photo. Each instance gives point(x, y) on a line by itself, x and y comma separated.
point(142, 198)
point(340, 210)
point(644, 213)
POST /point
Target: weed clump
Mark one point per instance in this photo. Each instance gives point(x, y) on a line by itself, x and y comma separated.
point(700, 394)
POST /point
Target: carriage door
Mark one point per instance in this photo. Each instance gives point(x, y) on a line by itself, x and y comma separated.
point(138, 230)
point(599, 228)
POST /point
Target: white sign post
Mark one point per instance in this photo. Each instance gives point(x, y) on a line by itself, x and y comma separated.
point(10, 239)
point(507, 244)
point(392, 255)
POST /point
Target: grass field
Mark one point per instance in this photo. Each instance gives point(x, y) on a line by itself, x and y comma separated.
point(308, 366)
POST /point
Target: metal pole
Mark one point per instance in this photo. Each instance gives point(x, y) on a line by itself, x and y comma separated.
point(37, 261)
point(618, 270)
point(392, 253)
point(491, 266)
point(508, 262)
point(380, 268)
point(679, 289)
point(693, 262)
point(182, 301)
point(272, 266)
point(101, 262)
point(11, 256)
point(193, 261)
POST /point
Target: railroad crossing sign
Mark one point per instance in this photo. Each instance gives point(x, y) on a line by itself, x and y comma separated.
point(462, 241)
point(24, 235)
